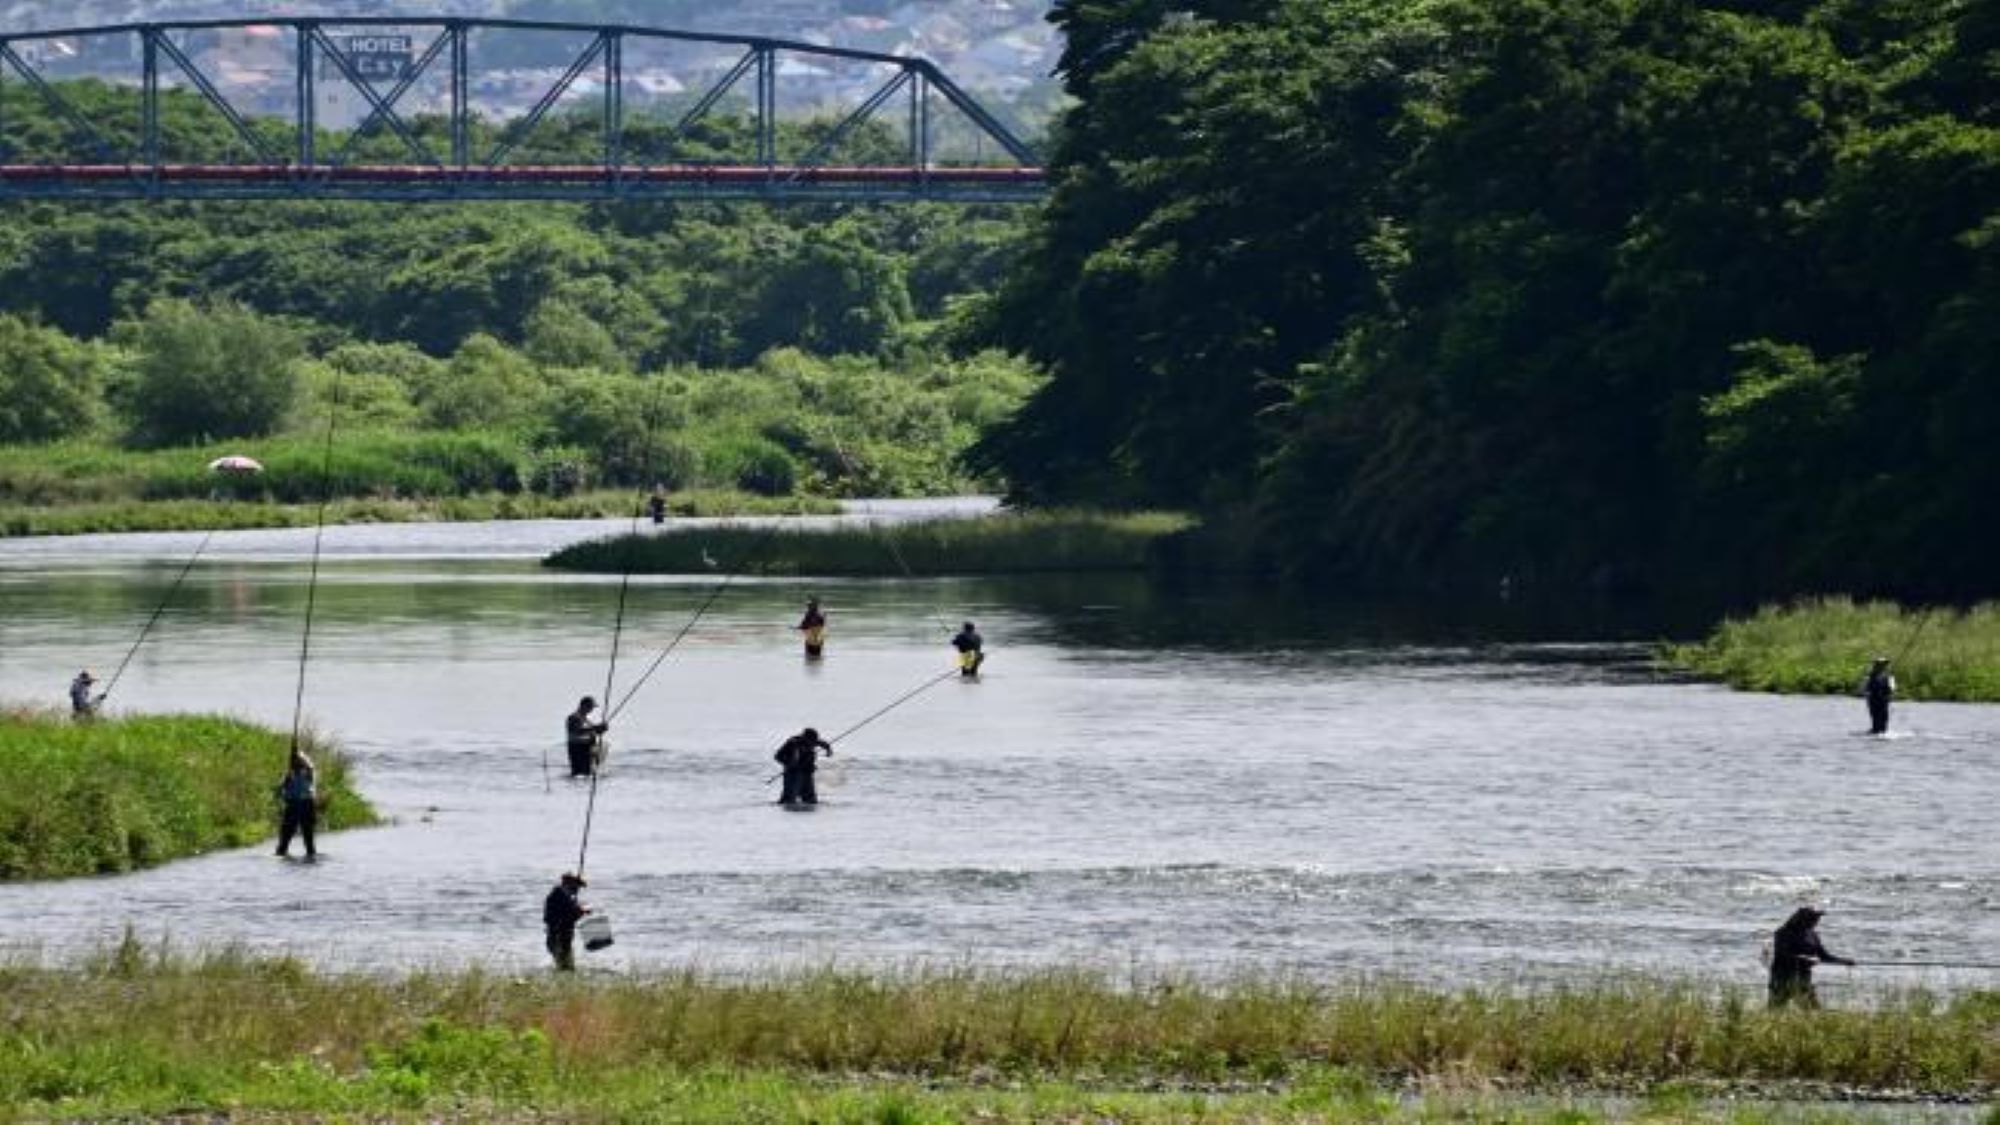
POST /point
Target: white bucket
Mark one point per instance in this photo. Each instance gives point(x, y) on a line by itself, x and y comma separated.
point(595, 930)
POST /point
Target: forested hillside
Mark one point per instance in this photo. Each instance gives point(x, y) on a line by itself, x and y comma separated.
point(729, 345)
point(1639, 292)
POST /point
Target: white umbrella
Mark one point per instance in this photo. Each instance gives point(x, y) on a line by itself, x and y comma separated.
point(234, 463)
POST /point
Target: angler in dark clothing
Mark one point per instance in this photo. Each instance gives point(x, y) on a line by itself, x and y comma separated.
point(971, 651)
point(1878, 689)
point(300, 793)
point(583, 737)
point(561, 911)
point(813, 625)
point(656, 505)
point(800, 757)
point(1795, 949)
point(82, 702)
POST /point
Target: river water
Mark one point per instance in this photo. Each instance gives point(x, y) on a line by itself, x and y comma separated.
point(1145, 778)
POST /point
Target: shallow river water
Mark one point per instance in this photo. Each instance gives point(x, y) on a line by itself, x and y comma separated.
point(1215, 781)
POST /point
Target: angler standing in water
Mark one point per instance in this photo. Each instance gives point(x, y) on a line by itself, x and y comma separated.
point(1795, 949)
point(561, 911)
point(656, 504)
point(583, 738)
point(1878, 689)
point(813, 625)
point(799, 755)
point(971, 650)
point(300, 793)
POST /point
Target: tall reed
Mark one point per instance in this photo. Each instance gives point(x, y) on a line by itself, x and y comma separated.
point(1824, 646)
point(137, 1023)
point(1012, 543)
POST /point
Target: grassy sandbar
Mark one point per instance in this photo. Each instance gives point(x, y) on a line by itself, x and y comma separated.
point(1823, 646)
point(1010, 543)
point(119, 794)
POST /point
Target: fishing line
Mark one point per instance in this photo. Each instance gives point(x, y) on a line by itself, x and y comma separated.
point(1914, 634)
point(312, 579)
point(716, 592)
point(888, 539)
point(157, 611)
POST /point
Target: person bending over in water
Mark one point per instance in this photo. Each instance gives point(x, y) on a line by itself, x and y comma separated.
point(971, 650)
point(1795, 949)
point(800, 757)
point(583, 737)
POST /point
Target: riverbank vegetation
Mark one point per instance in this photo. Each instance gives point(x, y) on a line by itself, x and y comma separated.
point(503, 348)
point(120, 794)
point(1692, 296)
point(142, 1030)
point(1010, 543)
point(1824, 646)
point(200, 515)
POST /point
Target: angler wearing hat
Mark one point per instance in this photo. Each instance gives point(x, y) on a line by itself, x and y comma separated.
point(561, 911)
point(1795, 949)
point(1878, 689)
point(800, 757)
point(81, 702)
point(583, 738)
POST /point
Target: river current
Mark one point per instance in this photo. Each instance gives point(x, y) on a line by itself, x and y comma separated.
point(1145, 778)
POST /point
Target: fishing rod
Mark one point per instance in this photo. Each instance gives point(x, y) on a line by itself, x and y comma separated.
point(735, 572)
point(312, 580)
point(897, 702)
point(610, 678)
point(1914, 634)
point(888, 539)
point(1929, 964)
point(165, 600)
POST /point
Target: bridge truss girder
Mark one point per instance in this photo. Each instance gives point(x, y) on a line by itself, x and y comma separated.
point(304, 170)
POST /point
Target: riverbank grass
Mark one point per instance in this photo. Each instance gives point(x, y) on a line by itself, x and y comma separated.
point(203, 515)
point(1823, 646)
point(119, 794)
point(139, 1030)
point(1009, 543)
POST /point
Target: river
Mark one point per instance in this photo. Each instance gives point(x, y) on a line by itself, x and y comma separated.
point(1145, 778)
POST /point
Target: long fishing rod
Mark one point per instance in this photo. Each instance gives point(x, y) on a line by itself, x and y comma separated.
point(1914, 634)
point(165, 600)
point(312, 579)
point(610, 678)
point(888, 539)
point(735, 572)
point(897, 702)
point(1930, 964)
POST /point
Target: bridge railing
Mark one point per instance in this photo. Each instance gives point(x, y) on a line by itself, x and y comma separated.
point(452, 108)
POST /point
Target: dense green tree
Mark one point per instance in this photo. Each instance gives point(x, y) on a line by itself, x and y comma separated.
point(208, 371)
point(1638, 291)
point(49, 383)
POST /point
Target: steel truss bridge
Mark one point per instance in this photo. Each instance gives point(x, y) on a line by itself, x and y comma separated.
point(455, 140)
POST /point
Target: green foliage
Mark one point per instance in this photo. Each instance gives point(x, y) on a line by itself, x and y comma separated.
point(1823, 646)
point(1701, 295)
point(123, 794)
point(140, 1032)
point(1015, 543)
point(205, 372)
point(49, 384)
